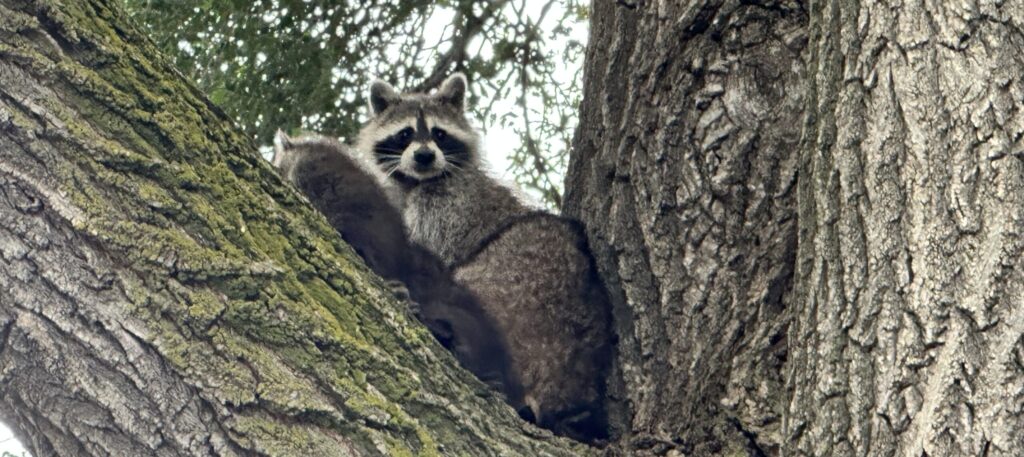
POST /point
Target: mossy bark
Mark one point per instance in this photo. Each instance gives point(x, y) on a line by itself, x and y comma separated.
point(163, 292)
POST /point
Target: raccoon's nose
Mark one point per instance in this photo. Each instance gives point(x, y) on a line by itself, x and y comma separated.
point(423, 157)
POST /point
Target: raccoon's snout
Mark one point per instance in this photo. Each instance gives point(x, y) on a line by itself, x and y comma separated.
point(424, 158)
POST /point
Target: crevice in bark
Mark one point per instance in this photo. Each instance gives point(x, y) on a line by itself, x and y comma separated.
point(753, 449)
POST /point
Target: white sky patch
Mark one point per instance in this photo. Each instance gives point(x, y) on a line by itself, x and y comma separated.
point(498, 144)
point(186, 47)
point(10, 444)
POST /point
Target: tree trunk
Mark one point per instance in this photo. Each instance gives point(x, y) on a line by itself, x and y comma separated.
point(902, 330)
point(162, 292)
point(684, 171)
point(909, 310)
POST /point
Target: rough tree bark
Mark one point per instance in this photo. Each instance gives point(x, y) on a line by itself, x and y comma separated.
point(909, 310)
point(899, 329)
point(162, 292)
point(683, 170)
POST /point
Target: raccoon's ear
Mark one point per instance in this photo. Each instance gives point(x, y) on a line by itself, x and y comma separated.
point(281, 142)
point(382, 95)
point(453, 91)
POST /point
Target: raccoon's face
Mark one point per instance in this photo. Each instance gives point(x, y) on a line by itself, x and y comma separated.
point(420, 137)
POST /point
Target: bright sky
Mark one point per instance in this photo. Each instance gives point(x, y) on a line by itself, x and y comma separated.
point(498, 142)
point(8, 443)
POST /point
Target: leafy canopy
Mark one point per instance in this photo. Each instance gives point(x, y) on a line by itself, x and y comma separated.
point(304, 64)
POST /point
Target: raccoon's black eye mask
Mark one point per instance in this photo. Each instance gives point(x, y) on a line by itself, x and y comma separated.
point(405, 134)
point(391, 148)
point(454, 149)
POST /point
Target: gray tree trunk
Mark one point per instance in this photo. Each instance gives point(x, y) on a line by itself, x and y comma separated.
point(684, 171)
point(908, 331)
point(163, 293)
point(897, 325)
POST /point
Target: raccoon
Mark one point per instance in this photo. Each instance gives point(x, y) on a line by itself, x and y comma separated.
point(349, 195)
point(531, 270)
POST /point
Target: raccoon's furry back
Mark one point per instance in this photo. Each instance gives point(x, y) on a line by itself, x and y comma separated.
point(345, 191)
point(536, 277)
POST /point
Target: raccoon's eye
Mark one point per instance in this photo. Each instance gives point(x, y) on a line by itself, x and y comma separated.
point(405, 133)
point(440, 134)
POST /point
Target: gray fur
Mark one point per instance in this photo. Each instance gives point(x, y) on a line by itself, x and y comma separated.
point(447, 105)
point(537, 280)
point(531, 271)
point(483, 205)
point(382, 95)
point(453, 91)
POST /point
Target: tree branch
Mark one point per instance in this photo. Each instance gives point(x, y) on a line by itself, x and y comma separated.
point(471, 26)
point(164, 293)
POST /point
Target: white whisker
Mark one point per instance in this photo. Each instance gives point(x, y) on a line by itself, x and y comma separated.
point(455, 166)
